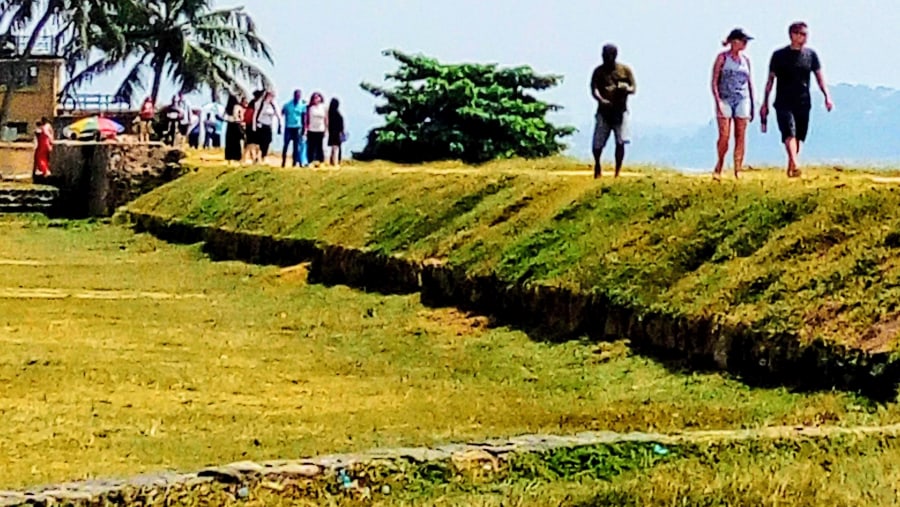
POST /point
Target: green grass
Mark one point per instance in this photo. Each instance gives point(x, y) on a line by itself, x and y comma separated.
point(843, 473)
point(847, 471)
point(836, 473)
point(253, 363)
point(816, 257)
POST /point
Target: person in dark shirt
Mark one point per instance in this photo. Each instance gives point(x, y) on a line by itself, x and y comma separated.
point(611, 85)
point(791, 66)
point(336, 132)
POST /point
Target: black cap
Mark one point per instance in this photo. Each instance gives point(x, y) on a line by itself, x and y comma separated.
point(738, 34)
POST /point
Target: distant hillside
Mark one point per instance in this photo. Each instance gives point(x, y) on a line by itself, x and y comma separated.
point(864, 128)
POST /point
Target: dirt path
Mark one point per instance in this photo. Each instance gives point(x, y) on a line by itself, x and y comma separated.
point(217, 160)
point(44, 263)
point(20, 293)
point(531, 172)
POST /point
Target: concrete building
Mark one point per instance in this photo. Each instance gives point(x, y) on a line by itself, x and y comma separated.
point(38, 85)
point(38, 81)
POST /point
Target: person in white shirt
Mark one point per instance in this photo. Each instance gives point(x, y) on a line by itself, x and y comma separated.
point(194, 129)
point(316, 127)
point(264, 118)
point(183, 110)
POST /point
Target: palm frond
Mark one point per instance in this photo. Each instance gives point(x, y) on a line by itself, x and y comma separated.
point(101, 66)
point(188, 42)
point(88, 74)
point(236, 38)
point(22, 14)
point(133, 83)
point(235, 65)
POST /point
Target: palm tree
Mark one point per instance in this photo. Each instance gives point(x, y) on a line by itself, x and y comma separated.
point(186, 41)
point(67, 21)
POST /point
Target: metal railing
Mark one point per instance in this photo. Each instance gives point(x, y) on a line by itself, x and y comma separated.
point(92, 102)
point(15, 45)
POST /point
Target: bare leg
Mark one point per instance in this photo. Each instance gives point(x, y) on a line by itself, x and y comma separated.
point(722, 145)
point(620, 157)
point(597, 169)
point(740, 144)
point(791, 146)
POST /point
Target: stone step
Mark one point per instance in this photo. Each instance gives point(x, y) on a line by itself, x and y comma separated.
point(19, 197)
point(20, 177)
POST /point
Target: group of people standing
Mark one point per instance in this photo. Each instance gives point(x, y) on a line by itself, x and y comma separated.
point(251, 125)
point(180, 121)
point(732, 89)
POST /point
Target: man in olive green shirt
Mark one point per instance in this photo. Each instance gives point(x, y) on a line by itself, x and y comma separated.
point(611, 85)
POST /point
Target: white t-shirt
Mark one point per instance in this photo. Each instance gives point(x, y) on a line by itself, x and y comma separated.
point(266, 114)
point(317, 114)
point(185, 108)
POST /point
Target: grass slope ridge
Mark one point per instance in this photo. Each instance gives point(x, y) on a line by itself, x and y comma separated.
point(791, 263)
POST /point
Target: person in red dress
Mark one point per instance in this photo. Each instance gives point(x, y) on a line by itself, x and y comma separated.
point(44, 138)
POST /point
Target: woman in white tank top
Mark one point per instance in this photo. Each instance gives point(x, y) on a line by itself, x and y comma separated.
point(732, 88)
point(265, 117)
point(316, 126)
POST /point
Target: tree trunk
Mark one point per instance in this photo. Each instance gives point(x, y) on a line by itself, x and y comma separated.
point(158, 67)
point(19, 62)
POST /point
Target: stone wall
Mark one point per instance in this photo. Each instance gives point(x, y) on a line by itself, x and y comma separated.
point(96, 178)
point(16, 160)
point(371, 476)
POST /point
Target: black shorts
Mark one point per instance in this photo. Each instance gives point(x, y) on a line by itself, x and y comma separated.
point(793, 122)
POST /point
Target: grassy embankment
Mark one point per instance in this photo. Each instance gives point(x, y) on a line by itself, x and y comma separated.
point(122, 354)
point(814, 259)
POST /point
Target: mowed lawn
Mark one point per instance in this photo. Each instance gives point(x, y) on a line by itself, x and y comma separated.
point(122, 354)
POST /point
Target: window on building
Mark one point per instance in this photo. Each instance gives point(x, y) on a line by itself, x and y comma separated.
point(20, 127)
point(26, 75)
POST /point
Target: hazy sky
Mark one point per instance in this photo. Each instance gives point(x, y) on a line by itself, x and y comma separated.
point(670, 44)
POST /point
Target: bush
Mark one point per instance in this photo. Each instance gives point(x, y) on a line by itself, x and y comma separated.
point(470, 112)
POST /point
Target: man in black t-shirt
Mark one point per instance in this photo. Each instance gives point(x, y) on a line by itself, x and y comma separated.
point(791, 66)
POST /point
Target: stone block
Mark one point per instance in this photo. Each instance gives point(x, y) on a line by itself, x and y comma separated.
point(94, 179)
point(16, 161)
point(305, 470)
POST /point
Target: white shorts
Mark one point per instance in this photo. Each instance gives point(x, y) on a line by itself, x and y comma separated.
point(603, 129)
point(735, 107)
